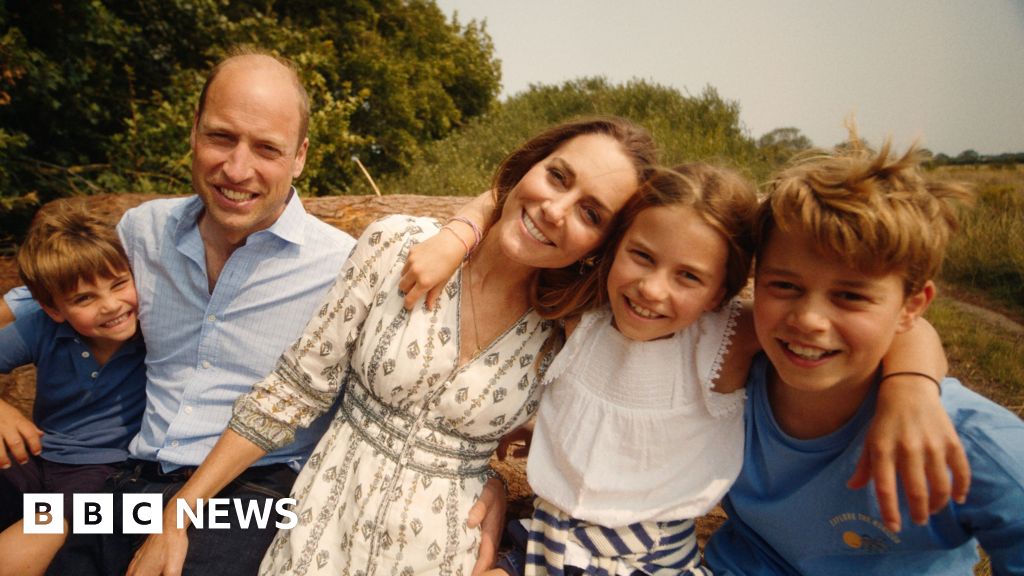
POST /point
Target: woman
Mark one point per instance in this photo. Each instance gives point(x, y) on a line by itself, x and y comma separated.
point(428, 393)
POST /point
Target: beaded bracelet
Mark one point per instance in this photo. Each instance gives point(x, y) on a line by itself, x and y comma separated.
point(912, 373)
point(492, 473)
point(464, 244)
point(472, 225)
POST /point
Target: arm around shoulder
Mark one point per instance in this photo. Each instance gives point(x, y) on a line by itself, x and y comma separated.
point(742, 349)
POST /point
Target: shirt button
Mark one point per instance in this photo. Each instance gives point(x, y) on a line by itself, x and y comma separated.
point(85, 354)
point(206, 363)
point(95, 374)
point(174, 444)
point(211, 318)
point(188, 409)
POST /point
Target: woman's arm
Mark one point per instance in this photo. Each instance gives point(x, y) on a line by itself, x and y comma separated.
point(266, 418)
point(164, 553)
point(432, 262)
point(911, 435)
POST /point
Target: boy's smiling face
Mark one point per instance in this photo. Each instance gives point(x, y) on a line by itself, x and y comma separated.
point(822, 323)
point(103, 311)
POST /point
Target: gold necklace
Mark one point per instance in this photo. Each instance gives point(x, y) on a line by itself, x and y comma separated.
point(472, 306)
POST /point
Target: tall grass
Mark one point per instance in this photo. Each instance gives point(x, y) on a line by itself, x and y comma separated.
point(987, 255)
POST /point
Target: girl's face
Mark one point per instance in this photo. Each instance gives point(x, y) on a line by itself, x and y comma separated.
point(669, 269)
point(563, 207)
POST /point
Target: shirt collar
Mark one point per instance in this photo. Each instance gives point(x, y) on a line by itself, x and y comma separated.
point(66, 332)
point(289, 226)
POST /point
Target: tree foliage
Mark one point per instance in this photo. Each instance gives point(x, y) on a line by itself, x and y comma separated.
point(98, 95)
point(686, 127)
point(781, 144)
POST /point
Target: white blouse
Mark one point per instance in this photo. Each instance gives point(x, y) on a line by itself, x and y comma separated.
point(631, 431)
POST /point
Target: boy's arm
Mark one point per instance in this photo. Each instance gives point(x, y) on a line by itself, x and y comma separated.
point(911, 435)
point(6, 316)
point(19, 437)
point(432, 262)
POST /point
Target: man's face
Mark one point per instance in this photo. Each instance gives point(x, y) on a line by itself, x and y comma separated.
point(245, 147)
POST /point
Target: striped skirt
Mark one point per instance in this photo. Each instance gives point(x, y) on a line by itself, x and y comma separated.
point(653, 548)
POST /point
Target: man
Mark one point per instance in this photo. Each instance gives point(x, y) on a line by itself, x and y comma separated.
point(227, 279)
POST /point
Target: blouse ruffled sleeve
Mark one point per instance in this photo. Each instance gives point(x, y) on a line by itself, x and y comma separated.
point(716, 332)
point(310, 374)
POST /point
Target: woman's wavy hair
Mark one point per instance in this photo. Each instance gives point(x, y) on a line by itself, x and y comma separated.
point(555, 292)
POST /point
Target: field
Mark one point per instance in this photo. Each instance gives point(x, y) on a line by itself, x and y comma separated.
point(980, 308)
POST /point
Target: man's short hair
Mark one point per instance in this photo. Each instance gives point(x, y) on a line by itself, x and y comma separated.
point(246, 50)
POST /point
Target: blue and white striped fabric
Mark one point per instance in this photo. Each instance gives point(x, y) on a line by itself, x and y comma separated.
point(205, 350)
point(653, 548)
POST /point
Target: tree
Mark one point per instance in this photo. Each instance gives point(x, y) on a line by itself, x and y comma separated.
point(781, 144)
point(968, 157)
point(98, 95)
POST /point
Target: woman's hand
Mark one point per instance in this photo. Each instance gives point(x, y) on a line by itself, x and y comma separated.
point(911, 435)
point(489, 514)
point(20, 437)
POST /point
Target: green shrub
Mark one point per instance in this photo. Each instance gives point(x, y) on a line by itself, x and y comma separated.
point(686, 128)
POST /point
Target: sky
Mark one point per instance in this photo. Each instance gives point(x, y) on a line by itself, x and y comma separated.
point(949, 73)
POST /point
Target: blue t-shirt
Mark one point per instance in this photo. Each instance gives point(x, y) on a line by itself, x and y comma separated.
point(790, 511)
point(88, 413)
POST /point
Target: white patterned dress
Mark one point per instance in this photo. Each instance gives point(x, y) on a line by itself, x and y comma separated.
point(388, 489)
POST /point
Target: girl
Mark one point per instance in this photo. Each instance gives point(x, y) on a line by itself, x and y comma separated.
point(629, 448)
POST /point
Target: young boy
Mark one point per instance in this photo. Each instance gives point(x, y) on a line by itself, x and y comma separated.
point(90, 376)
point(848, 245)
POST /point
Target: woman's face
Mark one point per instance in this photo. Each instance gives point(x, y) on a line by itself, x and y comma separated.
point(563, 207)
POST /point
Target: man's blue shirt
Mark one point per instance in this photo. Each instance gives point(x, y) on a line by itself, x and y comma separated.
point(205, 350)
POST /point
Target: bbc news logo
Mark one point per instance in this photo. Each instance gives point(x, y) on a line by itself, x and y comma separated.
point(143, 513)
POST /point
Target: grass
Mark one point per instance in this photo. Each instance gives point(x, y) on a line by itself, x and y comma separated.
point(986, 256)
point(985, 267)
point(986, 355)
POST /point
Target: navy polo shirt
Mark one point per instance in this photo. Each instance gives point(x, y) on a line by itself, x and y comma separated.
point(88, 413)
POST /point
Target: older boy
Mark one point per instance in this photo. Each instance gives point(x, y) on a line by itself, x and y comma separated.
point(848, 246)
point(91, 378)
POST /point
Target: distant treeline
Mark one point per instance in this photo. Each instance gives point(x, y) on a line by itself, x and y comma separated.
point(970, 157)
